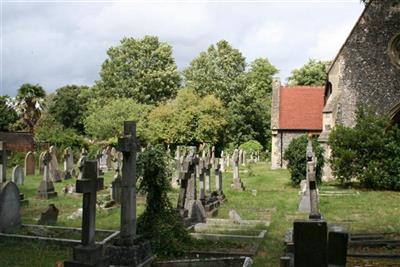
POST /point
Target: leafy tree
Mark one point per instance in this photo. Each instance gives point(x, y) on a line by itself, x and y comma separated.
point(69, 105)
point(312, 73)
point(251, 146)
point(142, 69)
point(188, 119)
point(8, 115)
point(104, 122)
point(29, 104)
point(259, 77)
point(368, 153)
point(216, 71)
point(160, 221)
point(295, 154)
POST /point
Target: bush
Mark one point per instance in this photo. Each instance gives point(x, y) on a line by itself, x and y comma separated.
point(368, 153)
point(251, 146)
point(295, 154)
point(160, 222)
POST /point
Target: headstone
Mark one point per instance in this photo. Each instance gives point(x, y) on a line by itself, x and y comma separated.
point(3, 162)
point(197, 212)
point(234, 217)
point(18, 175)
point(338, 239)
point(46, 187)
point(50, 216)
point(68, 163)
point(207, 172)
point(104, 160)
point(200, 169)
point(10, 218)
point(240, 157)
point(218, 177)
point(88, 253)
point(81, 162)
point(244, 158)
point(304, 205)
point(237, 183)
point(191, 191)
point(109, 158)
point(29, 164)
point(41, 166)
point(116, 187)
point(228, 159)
point(55, 174)
point(222, 162)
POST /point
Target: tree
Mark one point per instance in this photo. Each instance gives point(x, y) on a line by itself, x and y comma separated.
point(368, 153)
point(259, 77)
point(216, 71)
point(295, 155)
point(29, 104)
point(69, 105)
point(8, 115)
point(141, 69)
point(188, 119)
point(104, 122)
point(312, 73)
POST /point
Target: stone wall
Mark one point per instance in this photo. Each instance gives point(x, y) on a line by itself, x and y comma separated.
point(18, 141)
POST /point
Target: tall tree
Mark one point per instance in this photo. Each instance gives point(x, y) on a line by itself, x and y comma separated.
point(8, 115)
point(29, 104)
point(69, 105)
point(141, 69)
point(216, 71)
point(259, 77)
point(312, 73)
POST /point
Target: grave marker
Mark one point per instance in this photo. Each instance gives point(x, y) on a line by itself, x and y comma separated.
point(41, 166)
point(18, 175)
point(54, 171)
point(3, 162)
point(29, 164)
point(10, 218)
point(68, 163)
point(46, 187)
point(237, 183)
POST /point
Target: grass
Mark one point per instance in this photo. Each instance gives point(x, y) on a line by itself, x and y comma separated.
point(275, 200)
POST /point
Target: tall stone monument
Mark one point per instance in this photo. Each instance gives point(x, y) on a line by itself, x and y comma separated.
point(68, 163)
point(46, 187)
point(53, 164)
point(127, 250)
point(88, 253)
point(237, 183)
point(29, 164)
point(41, 166)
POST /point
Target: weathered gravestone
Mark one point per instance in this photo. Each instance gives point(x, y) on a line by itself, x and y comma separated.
point(29, 164)
point(222, 162)
point(41, 166)
point(3, 162)
point(200, 170)
point(46, 188)
point(127, 250)
point(50, 216)
point(115, 189)
point(237, 183)
point(18, 175)
point(88, 253)
point(81, 162)
point(10, 218)
point(103, 160)
point(55, 174)
point(244, 158)
point(208, 164)
point(68, 163)
point(218, 181)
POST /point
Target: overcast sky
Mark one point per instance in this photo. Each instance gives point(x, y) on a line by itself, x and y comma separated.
point(64, 42)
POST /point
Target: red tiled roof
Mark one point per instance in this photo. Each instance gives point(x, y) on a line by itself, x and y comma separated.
point(300, 107)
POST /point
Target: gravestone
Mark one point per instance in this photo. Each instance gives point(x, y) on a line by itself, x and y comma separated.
point(244, 158)
point(222, 162)
point(109, 158)
point(81, 162)
point(186, 171)
point(46, 187)
point(116, 187)
point(41, 166)
point(240, 157)
point(200, 170)
point(218, 180)
point(55, 174)
point(68, 163)
point(178, 162)
point(207, 173)
point(50, 216)
point(3, 162)
point(10, 218)
point(228, 159)
point(127, 250)
point(18, 175)
point(88, 253)
point(237, 183)
point(191, 191)
point(103, 160)
point(212, 155)
point(29, 164)
point(98, 158)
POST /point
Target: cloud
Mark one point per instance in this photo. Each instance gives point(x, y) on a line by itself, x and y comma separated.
point(55, 44)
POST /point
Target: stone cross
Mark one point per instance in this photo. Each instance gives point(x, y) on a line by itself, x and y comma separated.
point(54, 171)
point(200, 170)
point(46, 188)
point(222, 161)
point(218, 176)
point(191, 191)
point(3, 162)
point(237, 183)
point(88, 253)
point(207, 170)
point(128, 146)
point(312, 183)
point(29, 164)
point(81, 162)
point(68, 163)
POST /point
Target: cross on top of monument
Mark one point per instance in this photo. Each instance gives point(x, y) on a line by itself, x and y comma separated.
point(309, 153)
point(128, 143)
point(90, 181)
point(46, 158)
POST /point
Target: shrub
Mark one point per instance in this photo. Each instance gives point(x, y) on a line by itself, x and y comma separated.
point(251, 146)
point(160, 222)
point(368, 153)
point(295, 154)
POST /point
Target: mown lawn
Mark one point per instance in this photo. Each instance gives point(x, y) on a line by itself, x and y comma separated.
point(275, 200)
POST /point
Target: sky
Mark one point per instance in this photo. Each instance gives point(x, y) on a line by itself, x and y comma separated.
point(57, 43)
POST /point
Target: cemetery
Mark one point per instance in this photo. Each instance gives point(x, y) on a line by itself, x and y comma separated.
point(220, 163)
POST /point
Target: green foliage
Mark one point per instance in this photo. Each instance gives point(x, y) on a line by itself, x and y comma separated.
point(312, 73)
point(16, 158)
point(8, 115)
point(259, 77)
point(251, 147)
point(29, 103)
point(49, 130)
point(188, 119)
point(216, 71)
point(69, 105)
point(142, 69)
point(369, 152)
point(160, 222)
point(295, 154)
point(104, 122)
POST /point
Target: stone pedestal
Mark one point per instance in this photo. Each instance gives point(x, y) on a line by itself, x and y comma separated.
point(134, 255)
point(84, 256)
point(46, 190)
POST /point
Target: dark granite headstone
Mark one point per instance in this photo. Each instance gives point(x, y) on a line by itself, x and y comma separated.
point(310, 243)
point(337, 246)
point(10, 218)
